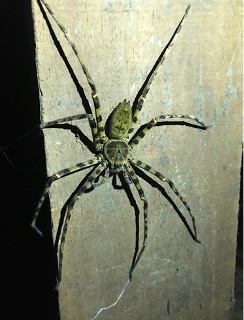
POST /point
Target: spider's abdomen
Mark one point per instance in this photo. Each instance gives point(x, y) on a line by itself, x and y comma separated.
point(120, 120)
point(116, 152)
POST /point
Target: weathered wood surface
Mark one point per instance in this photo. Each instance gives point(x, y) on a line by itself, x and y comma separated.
point(120, 42)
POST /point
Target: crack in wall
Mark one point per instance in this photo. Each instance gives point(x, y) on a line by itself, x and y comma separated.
point(113, 304)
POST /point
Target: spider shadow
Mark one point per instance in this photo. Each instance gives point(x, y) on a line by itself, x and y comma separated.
point(77, 133)
point(135, 102)
point(61, 226)
point(65, 207)
point(79, 88)
point(169, 123)
point(161, 189)
point(73, 128)
point(126, 187)
point(180, 123)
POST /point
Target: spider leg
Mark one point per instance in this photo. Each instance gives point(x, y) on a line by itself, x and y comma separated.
point(145, 128)
point(106, 175)
point(88, 183)
point(57, 176)
point(131, 173)
point(101, 129)
point(92, 123)
point(154, 71)
point(127, 177)
point(148, 168)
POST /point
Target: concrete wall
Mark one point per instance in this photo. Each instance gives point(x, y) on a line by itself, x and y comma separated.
point(120, 41)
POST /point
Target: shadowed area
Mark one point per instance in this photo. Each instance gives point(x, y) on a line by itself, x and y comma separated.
point(27, 262)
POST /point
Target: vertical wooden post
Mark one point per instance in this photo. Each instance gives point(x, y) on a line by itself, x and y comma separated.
point(120, 42)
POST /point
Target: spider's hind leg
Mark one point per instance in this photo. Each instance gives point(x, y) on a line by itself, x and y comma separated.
point(82, 189)
point(133, 177)
point(148, 168)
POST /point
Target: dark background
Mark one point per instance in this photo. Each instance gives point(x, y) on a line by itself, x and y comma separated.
point(27, 261)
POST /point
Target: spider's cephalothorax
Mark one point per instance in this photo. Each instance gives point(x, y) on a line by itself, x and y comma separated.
point(113, 149)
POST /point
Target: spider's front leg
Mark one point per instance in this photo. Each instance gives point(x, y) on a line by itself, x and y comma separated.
point(94, 94)
point(145, 128)
point(147, 84)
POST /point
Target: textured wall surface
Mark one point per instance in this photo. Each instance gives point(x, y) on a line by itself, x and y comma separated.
point(120, 41)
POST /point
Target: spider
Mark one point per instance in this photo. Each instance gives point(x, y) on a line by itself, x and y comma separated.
point(113, 147)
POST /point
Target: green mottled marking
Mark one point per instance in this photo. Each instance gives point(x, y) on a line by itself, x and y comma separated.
point(120, 121)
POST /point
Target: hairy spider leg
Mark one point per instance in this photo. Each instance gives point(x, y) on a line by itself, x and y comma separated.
point(145, 128)
point(92, 123)
point(154, 72)
point(130, 171)
point(127, 177)
point(88, 183)
point(104, 178)
point(148, 168)
point(56, 176)
point(100, 125)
